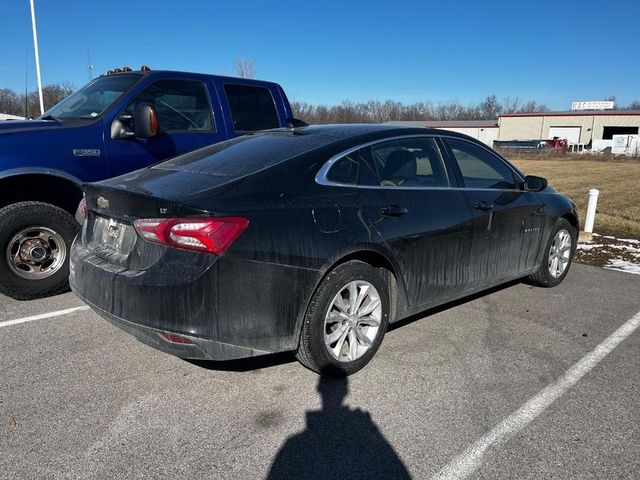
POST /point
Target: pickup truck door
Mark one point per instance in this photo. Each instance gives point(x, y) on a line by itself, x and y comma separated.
point(190, 118)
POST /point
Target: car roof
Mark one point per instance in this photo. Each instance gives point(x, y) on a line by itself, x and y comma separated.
point(263, 149)
point(334, 132)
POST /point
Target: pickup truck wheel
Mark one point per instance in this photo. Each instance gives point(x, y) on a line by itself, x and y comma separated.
point(35, 240)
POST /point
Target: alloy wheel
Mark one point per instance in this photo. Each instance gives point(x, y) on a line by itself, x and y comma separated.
point(352, 321)
point(559, 253)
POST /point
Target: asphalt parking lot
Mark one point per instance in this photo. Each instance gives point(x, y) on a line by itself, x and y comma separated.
point(81, 399)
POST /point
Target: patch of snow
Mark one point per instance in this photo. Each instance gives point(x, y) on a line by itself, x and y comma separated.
point(622, 266)
point(587, 246)
point(608, 236)
point(629, 240)
point(621, 247)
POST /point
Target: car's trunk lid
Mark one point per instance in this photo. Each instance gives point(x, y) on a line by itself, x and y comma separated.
point(113, 205)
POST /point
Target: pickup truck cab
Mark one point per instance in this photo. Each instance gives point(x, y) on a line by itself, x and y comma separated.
point(117, 123)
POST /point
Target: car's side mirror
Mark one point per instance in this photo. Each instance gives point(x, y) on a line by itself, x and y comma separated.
point(145, 121)
point(535, 184)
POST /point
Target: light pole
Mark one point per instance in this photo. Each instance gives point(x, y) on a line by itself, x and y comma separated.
point(35, 48)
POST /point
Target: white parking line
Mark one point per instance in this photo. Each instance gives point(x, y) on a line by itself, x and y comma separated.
point(42, 316)
point(471, 459)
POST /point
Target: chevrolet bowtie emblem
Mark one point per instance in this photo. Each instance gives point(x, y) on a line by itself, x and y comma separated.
point(102, 202)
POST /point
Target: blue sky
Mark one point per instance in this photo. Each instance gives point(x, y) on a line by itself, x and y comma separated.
point(326, 51)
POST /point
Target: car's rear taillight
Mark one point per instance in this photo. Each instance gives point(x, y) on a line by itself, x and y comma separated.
point(209, 235)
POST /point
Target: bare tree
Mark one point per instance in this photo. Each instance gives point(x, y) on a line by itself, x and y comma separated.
point(635, 105)
point(377, 111)
point(612, 98)
point(10, 102)
point(510, 104)
point(533, 107)
point(489, 108)
point(14, 103)
point(245, 68)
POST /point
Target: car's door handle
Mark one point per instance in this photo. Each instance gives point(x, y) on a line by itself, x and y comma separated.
point(393, 211)
point(483, 206)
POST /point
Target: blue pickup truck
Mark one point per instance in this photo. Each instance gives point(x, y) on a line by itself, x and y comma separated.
point(117, 123)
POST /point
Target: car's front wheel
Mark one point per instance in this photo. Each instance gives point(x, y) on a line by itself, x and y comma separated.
point(557, 256)
point(346, 320)
point(35, 239)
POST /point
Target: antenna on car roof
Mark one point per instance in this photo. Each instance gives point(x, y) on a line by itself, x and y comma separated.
point(295, 123)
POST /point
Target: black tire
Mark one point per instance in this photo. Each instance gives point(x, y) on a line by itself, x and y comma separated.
point(312, 352)
point(24, 215)
point(543, 277)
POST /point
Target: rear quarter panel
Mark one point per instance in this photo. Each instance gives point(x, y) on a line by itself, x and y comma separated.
point(297, 231)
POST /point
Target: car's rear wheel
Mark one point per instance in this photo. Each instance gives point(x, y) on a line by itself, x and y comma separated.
point(558, 255)
point(346, 320)
point(35, 239)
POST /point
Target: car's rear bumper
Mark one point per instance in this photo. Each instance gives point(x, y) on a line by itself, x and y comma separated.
point(228, 308)
point(200, 348)
point(167, 296)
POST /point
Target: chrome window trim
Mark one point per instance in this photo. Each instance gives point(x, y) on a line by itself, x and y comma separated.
point(321, 176)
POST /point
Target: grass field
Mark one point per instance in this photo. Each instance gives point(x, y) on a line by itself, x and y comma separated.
point(618, 211)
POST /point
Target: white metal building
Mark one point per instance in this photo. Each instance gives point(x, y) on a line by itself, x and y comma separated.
point(576, 126)
point(600, 129)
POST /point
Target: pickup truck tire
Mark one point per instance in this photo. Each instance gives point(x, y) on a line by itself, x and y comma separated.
point(35, 241)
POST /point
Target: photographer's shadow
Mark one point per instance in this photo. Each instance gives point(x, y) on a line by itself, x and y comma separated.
point(338, 442)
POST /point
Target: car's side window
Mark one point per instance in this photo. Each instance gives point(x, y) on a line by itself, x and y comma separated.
point(410, 162)
point(479, 168)
point(345, 170)
point(252, 108)
point(182, 105)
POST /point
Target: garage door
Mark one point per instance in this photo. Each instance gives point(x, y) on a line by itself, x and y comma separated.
point(572, 134)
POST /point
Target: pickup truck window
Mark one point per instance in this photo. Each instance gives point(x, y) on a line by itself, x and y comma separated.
point(182, 105)
point(252, 108)
point(93, 99)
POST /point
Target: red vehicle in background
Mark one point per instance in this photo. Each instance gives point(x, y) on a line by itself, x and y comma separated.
point(556, 143)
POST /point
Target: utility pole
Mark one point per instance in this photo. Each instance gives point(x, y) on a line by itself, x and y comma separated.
point(35, 48)
point(89, 66)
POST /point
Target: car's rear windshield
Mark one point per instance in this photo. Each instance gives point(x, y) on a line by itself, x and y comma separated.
point(244, 155)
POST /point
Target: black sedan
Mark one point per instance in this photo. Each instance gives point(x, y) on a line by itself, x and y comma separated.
point(312, 240)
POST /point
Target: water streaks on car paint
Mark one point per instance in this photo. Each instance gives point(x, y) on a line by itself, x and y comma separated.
point(251, 300)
